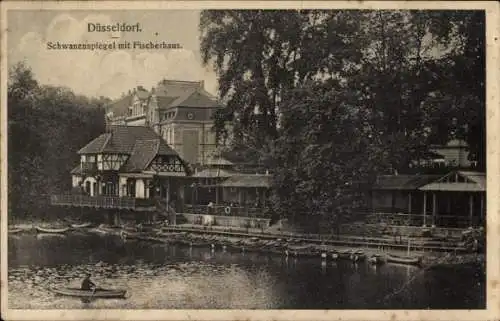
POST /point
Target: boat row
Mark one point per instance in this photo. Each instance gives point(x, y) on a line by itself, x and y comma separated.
point(40, 229)
point(304, 251)
point(278, 247)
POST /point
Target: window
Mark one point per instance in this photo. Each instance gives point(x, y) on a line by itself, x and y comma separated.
point(110, 161)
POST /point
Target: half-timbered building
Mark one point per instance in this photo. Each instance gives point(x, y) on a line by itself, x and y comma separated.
point(127, 167)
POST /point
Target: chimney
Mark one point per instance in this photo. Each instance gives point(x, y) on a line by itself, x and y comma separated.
point(129, 92)
point(202, 84)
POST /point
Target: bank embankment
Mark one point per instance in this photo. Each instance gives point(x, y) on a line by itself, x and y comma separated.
point(433, 253)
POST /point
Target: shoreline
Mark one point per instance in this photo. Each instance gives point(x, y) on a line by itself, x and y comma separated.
point(284, 245)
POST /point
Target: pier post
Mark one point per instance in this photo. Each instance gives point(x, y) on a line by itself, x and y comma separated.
point(409, 203)
point(481, 213)
point(425, 207)
point(434, 209)
point(471, 208)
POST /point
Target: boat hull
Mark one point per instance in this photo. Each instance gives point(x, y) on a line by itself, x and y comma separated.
point(51, 231)
point(403, 260)
point(99, 293)
point(84, 225)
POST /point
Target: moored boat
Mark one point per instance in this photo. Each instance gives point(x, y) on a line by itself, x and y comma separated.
point(83, 225)
point(376, 259)
point(40, 235)
point(15, 230)
point(410, 260)
point(99, 293)
point(51, 230)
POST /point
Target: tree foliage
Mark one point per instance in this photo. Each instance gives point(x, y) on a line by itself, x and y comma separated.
point(335, 96)
point(46, 127)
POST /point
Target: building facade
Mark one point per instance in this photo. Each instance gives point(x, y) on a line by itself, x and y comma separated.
point(179, 111)
point(456, 199)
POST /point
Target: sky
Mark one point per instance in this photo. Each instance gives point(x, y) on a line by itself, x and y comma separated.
point(112, 72)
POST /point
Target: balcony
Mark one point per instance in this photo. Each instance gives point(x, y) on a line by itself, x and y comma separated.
point(113, 202)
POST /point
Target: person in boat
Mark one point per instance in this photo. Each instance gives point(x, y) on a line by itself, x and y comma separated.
point(87, 284)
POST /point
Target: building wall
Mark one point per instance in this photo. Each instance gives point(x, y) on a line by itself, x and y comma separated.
point(123, 186)
point(194, 141)
point(75, 180)
point(140, 189)
point(386, 200)
point(457, 156)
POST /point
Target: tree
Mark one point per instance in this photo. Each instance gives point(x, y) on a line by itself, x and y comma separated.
point(261, 54)
point(47, 125)
point(293, 80)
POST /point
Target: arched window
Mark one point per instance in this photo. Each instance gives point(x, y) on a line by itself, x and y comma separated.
point(87, 187)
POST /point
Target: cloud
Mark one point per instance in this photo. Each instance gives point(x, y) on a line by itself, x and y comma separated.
point(108, 73)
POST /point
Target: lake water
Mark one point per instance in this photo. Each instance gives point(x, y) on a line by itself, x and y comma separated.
point(173, 277)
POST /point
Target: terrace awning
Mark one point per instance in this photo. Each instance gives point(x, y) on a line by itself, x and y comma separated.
point(453, 187)
point(248, 181)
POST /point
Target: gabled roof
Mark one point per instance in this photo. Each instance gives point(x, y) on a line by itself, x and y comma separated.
point(95, 146)
point(477, 177)
point(468, 182)
point(176, 88)
point(142, 94)
point(120, 106)
point(195, 99)
point(141, 143)
point(77, 170)
point(142, 154)
point(164, 101)
point(172, 93)
point(122, 139)
point(255, 180)
point(403, 182)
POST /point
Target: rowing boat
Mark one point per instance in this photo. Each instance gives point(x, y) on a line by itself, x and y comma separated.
point(411, 260)
point(99, 293)
point(83, 225)
point(52, 230)
point(15, 230)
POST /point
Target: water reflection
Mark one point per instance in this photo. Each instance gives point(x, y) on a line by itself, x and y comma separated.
point(165, 276)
